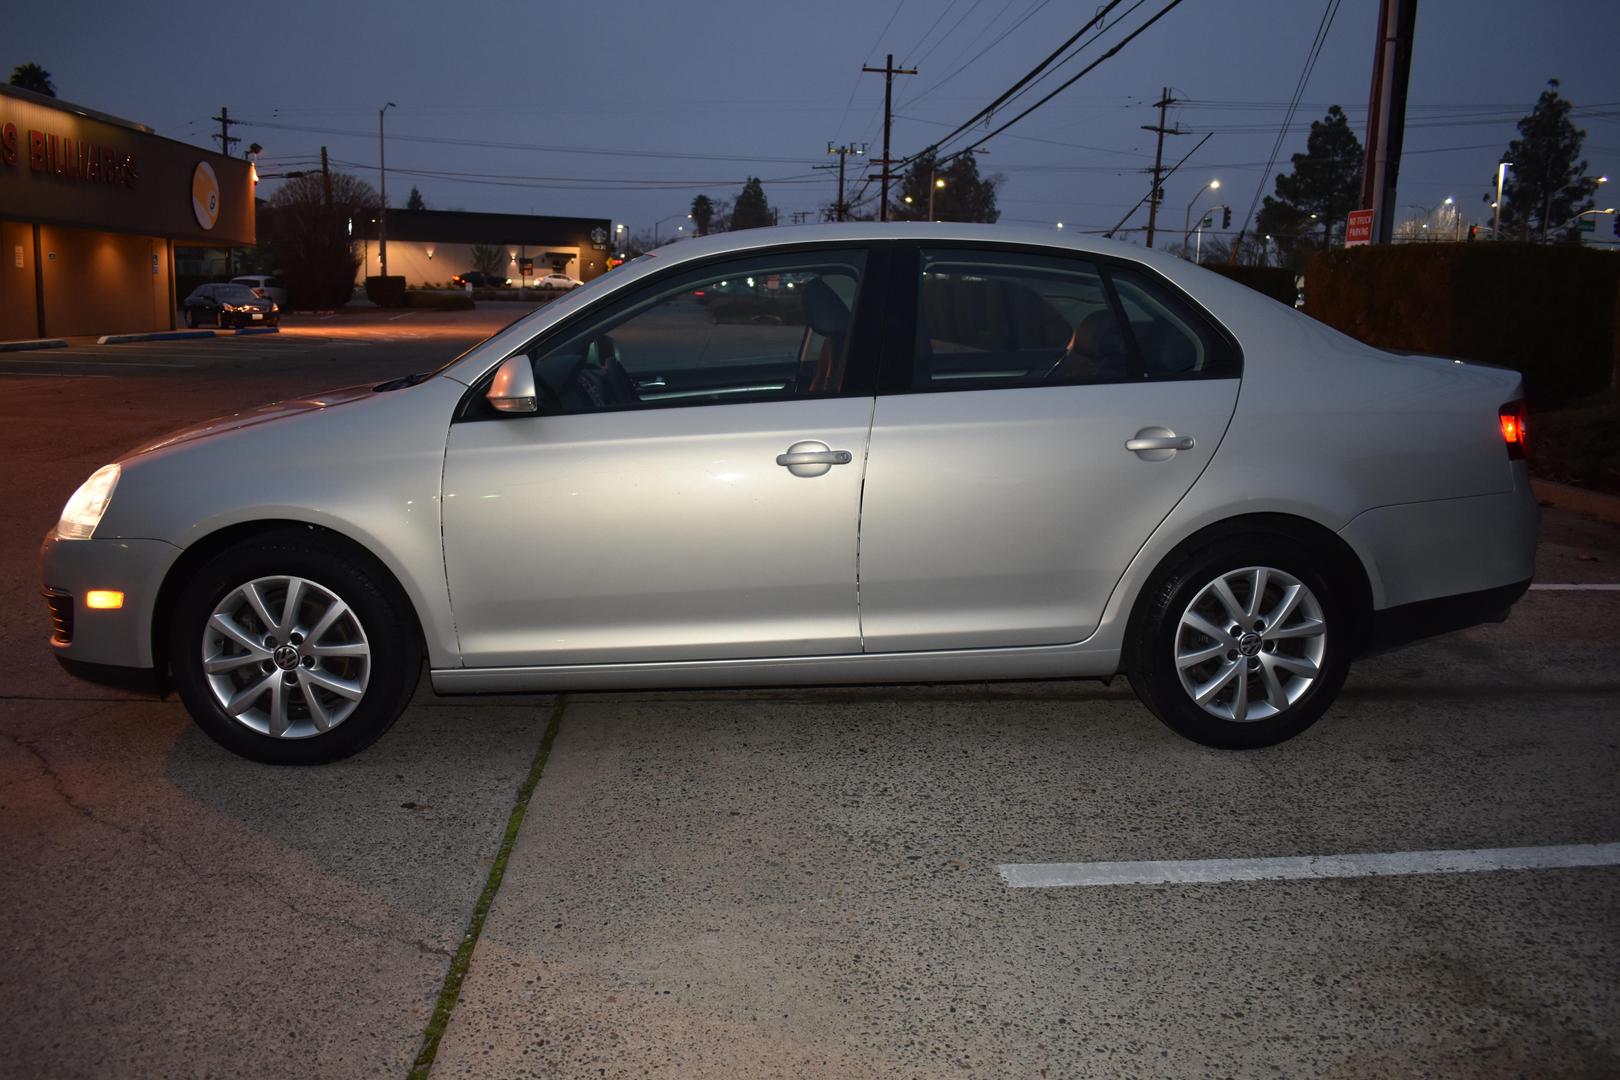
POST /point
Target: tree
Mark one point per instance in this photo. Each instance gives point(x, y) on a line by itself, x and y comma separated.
point(1319, 194)
point(702, 214)
point(1546, 183)
point(964, 195)
point(33, 77)
point(751, 211)
point(311, 237)
point(488, 259)
point(415, 200)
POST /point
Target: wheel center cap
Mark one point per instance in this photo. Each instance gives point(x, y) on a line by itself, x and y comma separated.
point(286, 657)
point(1249, 644)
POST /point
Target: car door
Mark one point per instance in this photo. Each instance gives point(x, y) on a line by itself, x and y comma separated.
point(1044, 415)
point(691, 487)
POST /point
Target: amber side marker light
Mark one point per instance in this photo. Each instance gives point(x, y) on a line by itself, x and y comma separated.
point(1514, 432)
point(104, 599)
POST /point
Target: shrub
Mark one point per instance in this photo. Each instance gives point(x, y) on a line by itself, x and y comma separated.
point(1276, 282)
point(1545, 311)
point(386, 291)
point(438, 301)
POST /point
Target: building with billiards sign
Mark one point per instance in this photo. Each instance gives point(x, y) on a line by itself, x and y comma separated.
point(91, 208)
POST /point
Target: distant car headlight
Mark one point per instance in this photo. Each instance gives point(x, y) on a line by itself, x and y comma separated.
point(83, 511)
point(274, 307)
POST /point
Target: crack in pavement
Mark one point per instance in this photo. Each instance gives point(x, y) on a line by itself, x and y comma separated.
point(264, 887)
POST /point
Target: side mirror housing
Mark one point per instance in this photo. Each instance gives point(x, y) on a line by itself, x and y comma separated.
point(513, 390)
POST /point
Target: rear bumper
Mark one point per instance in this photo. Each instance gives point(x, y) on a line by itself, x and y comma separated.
point(1397, 626)
point(71, 568)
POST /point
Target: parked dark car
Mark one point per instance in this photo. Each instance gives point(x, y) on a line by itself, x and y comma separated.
point(480, 280)
point(229, 305)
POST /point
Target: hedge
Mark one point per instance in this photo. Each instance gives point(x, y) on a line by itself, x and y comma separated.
point(439, 301)
point(1546, 311)
point(1276, 282)
point(386, 291)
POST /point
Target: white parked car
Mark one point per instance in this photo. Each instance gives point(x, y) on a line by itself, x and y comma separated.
point(557, 281)
point(951, 452)
point(264, 285)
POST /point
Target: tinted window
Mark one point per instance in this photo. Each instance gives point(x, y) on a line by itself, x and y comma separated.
point(234, 294)
point(1002, 319)
point(761, 329)
point(1174, 340)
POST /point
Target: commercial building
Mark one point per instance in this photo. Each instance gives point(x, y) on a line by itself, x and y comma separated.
point(428, 247)
point(91, 208)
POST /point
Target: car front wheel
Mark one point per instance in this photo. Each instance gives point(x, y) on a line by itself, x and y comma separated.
point(1243, 644)
point(290, 653)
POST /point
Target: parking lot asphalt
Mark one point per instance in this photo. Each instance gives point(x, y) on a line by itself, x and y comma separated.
point(797, 883)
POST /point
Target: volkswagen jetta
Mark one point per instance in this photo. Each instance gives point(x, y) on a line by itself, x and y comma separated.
point(911, 452)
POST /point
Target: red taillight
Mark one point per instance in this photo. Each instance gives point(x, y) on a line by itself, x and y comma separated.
point(1513, 429)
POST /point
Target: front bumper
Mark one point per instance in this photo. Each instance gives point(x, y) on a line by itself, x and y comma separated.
point(71, 568)
point(245, 318)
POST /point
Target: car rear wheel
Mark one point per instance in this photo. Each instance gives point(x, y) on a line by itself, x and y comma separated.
point(191, 318)
point(1242, 644)
point(290, 653)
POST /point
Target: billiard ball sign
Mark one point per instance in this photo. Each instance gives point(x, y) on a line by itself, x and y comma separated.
point(205, 195)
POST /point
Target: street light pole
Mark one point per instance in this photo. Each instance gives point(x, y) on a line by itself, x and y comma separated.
point(1186, 232)
point(382, 177)
point(1496, 223)
point(933, 184)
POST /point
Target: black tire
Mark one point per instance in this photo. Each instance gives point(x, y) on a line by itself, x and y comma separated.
point(378, 606)
point(1156, 631)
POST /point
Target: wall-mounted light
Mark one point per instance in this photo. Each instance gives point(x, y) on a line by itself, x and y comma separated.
point(430, 253)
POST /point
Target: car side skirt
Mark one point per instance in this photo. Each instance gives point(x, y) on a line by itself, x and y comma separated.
point(964, 665)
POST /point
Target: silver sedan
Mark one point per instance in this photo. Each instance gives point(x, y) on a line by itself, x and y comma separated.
point(853, 453)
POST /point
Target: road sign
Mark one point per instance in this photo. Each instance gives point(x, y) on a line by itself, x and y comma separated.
point(1587, 224)
point(1358, 228)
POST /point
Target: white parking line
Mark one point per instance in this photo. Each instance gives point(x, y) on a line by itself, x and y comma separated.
point(89, 362)
point(1578, 588)
point(1211, 871)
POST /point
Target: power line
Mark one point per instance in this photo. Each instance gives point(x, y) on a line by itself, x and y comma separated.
point(1322, 29)
point(1161, 13)
point(1101, 14)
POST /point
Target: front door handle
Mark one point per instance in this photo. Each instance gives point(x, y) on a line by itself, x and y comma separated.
point(1160, 442)
point(809, 457)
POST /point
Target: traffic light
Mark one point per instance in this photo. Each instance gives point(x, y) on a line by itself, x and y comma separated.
point(1226, 217)
point(1473, 233)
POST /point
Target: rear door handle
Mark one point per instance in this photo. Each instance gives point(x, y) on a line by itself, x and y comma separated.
point(815, 457)
point(1159, 442)
point(810, 457)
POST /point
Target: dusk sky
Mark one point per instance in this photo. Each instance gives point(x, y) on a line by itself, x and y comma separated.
point(628, 110)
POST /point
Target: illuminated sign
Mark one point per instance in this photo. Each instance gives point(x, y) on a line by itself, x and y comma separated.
point(67, 157)
point(205, 194)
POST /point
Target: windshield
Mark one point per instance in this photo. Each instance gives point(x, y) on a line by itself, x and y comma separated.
point(235, 294)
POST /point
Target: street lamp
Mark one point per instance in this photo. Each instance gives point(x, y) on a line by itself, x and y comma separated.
point(1186, 232)
point(1060, 226)
point(1496, 207)
point(934, 184)
point(671, 217)
point(382, 177)
point(1584, 213)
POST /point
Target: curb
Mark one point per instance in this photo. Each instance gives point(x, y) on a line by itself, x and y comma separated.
point(1579, 500)
point(164, 335)
point(35, 343)
point(241, 330)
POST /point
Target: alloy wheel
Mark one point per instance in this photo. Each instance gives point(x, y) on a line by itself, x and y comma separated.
point(1250, 644)
point(286, 657)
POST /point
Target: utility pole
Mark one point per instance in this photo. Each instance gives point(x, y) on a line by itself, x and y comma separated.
point(840, 208)
point(889, 72)
point(1386, 114)
point(1156, 195)
point(225, 137)
point(382, 176)
point(326, 180)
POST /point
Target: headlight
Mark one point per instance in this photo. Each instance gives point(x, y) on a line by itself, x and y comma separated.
point(83, 511)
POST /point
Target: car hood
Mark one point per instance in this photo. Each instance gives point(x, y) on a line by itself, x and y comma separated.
point(264, 414)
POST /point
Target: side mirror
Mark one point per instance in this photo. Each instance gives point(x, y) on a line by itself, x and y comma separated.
point(513, 390)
